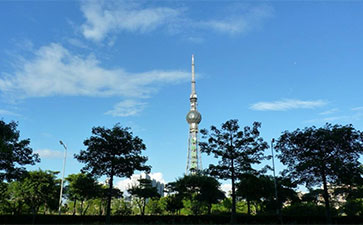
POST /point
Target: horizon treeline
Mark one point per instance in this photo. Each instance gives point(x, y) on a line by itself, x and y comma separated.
point(323, 159)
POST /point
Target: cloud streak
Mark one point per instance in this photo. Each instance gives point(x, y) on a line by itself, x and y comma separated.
point(105, 17)
point(7, 113)
point(47, 153)
point(328, 112)
point(287, 104)
point(239, 22)
point(109, 17)
point(358, 108)
point(127, 107)
point(54, 71)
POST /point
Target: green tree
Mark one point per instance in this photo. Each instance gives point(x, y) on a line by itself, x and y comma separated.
point(237, 150)
point(318, 156)
point(200, 190)
point(353, 207)
point(121, 207)
point(174, 203)
point(251, 189)
point(82, 187)
point(14, 201)
point(40, 188)
point(156, 206)
point(142, 192)
point(112, 152)
point(3, 196)
point(14, 153)
point(313, 196)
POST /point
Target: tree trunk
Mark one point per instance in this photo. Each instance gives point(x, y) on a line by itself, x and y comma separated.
point(85, 210)
point(109, 198)
point(233, 214)
point(326, 198)
point(81, 207)
point(143, 207)
point(74, 206)
point(101, 201)
point(248, 207)
point(34, 211)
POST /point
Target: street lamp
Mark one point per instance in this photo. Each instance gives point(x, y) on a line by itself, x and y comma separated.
point(273, 169)
point(64, 166)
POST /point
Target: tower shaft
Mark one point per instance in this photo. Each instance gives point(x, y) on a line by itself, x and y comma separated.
point(194, 163)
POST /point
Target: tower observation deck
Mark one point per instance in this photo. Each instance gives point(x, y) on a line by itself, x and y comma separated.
point(194, 162)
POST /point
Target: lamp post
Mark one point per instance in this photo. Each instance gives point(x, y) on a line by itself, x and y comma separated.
point(64, 166)
point(273, 169)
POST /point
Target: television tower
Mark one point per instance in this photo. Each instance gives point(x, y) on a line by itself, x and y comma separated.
point(194, 161)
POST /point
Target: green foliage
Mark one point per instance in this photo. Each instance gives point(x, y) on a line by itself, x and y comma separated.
point(121, 207)
point(174, 203)
point(305, 209)
point(237, 150)
point(313, 196)
point(260, 190)
point(353, 207)
point(14, 153)
point(38, 189)
point(314, 153)
point(14, 202)
point(142, 192)
point(199, 190)
point(156, 206)
point(222, 207)
point(318, 156)
point(112, 152)
point(82, 187)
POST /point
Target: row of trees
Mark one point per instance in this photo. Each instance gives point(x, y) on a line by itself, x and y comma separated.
point(326, 157)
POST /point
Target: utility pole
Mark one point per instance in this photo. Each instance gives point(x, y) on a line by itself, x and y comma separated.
point(64, 166)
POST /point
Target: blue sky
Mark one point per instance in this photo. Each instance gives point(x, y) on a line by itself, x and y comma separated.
point(66, 66)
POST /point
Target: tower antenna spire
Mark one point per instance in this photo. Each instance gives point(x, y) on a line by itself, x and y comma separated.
point(193, 76)
point(194, 162)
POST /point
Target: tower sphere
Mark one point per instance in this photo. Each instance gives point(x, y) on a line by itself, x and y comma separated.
point(194, 116)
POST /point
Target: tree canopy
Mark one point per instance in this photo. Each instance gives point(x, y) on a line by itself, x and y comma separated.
point(113, 152)
point(14, 153)
point(82, 187)
point(199, 189)
point(318, 156)
point(237, 150)
point(143, 191)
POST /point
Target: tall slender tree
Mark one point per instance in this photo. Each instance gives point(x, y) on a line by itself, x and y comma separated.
point(237, 150)
point(322, 156)
point(113, 152)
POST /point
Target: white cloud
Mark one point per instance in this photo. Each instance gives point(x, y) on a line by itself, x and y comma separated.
point(56, 71)
point(341, 119)
point(287, 104)
point(108, 17)
point(330, 111)
point(7, 113)
point(227, 188)
point(47, 153)
point(77, 43)
point(125, 184)
point(240, 22)
point(104, 17)
point(358, 108)
point(127, 107)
